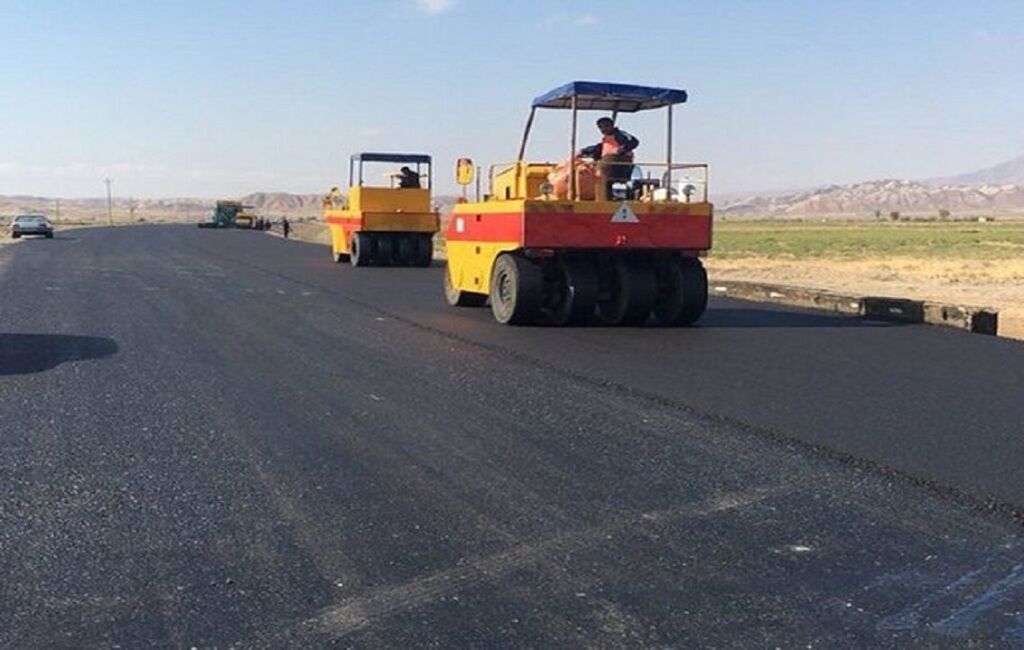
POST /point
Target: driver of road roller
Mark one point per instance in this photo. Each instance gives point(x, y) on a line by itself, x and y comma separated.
point(408, 179)
point(613, 154)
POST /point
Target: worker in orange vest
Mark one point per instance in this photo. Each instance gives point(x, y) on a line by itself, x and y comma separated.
point(614, 156)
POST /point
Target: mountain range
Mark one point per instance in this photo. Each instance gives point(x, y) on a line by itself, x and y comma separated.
point(1007, 173)
point(994, 190)
point(884, 196)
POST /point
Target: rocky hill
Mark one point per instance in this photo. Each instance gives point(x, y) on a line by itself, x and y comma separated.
point(1007, 173)
point(863, 199)
point(283, 203)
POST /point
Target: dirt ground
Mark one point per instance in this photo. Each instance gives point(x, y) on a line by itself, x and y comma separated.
point(984, 283)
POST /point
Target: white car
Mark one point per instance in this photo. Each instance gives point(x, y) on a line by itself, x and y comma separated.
point(31, 224)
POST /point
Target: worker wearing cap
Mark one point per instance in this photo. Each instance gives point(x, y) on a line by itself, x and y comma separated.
point(614, 156)
point(408, 179)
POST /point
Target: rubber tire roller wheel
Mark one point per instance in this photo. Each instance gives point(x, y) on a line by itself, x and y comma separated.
point(693, 289)
point(517, 288)
point(407, 249)
point(424, 250)
point(577, 292)
point(457, 298)
point(385, 254)
point(362, 249)
point(633, 292)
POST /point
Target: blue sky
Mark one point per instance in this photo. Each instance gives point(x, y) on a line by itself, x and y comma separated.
point(216, 98)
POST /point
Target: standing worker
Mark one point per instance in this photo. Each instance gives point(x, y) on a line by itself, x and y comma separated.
point(613, 154)
point(286, 227)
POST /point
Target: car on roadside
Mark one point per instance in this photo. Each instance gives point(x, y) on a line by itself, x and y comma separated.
point(31, 224)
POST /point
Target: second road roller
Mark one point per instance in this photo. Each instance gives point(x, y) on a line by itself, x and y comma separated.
point(384, 225)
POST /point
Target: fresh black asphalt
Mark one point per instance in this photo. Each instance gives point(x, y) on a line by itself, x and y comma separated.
point(220, 438)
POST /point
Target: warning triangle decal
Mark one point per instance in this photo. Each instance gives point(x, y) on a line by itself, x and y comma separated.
point(624, 215)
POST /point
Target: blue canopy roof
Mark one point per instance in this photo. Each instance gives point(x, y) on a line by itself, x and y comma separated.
point(595, 95)
point(391, 157)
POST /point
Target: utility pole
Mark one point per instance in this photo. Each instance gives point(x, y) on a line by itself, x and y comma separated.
point(110, 207)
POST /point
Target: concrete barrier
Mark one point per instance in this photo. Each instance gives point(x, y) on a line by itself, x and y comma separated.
point(980, 320)
point(899, 310)
point(793, 296)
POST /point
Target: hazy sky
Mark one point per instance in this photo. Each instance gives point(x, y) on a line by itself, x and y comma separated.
point(215, 98)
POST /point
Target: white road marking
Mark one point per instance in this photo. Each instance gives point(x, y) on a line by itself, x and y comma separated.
point(376, 605)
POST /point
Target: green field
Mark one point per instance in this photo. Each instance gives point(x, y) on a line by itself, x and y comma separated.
point(848, 239)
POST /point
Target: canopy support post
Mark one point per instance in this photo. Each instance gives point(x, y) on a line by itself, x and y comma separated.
point(668, 156)
point(526, 134)
point(572, 153)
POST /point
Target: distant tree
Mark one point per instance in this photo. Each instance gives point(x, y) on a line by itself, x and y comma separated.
point(895, 215)
point(944, 214)
point(878, 214)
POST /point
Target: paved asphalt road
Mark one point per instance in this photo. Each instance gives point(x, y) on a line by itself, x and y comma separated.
point(221, 439)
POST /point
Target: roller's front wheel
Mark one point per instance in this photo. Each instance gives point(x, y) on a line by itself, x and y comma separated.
point(517, 288)
point(457, 298)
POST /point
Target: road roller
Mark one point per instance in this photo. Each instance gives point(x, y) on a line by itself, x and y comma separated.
point(609, 242)
point(389, 224)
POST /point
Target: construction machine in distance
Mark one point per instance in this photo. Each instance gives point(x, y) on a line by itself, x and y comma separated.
point(230, 214)
point(543, 246)
point(391, 225)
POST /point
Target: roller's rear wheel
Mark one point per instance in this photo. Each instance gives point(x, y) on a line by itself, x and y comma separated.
point(631, 292)
point(456, 298)
point(517, 288)
point(575, 294)
point(362, 249)
point(385, 249)
point(406, 254)
point(424, 250)
point(682, 292)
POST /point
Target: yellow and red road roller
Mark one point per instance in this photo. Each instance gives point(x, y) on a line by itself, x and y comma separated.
point(390, 225)
point(575, 244)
